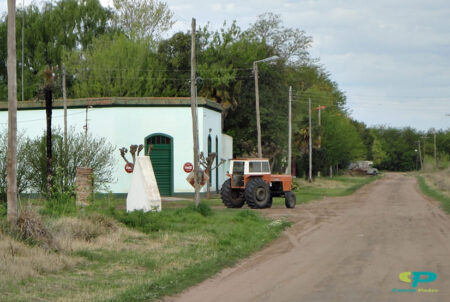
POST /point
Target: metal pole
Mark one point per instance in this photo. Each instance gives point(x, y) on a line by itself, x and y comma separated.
point(310, 142)
point(194, 117)
point(258, 122)
point(289, 169)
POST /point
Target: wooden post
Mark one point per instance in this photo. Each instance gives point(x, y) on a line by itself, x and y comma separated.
point(194, 117)
point(12, 116)
point(289, 169)
point(258, 119)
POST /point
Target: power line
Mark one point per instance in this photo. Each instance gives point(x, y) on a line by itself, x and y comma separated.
point(43, 119)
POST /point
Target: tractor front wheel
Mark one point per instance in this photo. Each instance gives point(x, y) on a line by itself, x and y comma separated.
point(231, 198)
point(290, 200)
point(257, 194)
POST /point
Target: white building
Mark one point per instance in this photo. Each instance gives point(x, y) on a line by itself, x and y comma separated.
point(164, 123)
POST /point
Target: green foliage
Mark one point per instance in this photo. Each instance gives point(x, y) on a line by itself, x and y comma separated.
point(3, 210)
point(145, 19)
point(23, 172)
point(60, 204)
point(341, 140)
point(50, 29)
point(115, 66)
point(65, 162)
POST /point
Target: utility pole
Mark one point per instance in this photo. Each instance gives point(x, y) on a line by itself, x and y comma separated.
point(12, 214)
point(194, 117)
point(23, 31)
point(310, 142)
point(65, 105)
point(289, 169)
point(435, 158)
point(258, 122)
point(319, 109)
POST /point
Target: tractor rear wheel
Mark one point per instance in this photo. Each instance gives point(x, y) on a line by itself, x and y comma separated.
point(257, 194)
point(231, 198)
point(289, 199)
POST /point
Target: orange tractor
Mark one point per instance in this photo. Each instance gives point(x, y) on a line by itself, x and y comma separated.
point(251, 181)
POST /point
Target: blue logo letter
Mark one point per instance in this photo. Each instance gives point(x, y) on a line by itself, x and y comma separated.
point(428, 277)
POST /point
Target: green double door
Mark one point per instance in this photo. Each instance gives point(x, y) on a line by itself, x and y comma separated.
point(161, 155)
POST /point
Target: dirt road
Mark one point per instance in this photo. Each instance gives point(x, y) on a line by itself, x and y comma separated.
point(346, 249)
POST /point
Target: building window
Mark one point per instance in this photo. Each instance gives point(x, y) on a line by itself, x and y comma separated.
point(158, 140)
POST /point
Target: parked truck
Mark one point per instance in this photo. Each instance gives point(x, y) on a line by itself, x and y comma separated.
point(363, 167)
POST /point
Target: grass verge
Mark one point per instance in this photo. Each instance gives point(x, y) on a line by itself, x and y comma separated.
point(327, 187)
point(144, 257)
point(107, 254)
point(433, 193)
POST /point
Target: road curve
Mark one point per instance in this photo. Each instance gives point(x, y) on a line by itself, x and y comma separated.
point(346, 249)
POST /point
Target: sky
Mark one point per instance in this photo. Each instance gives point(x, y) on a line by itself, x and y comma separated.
point(390, 57)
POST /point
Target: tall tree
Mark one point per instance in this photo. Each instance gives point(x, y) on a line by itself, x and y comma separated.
point(12, 116)
point(51, 29)
point(143, 19)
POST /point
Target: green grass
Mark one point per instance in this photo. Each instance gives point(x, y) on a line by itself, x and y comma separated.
point(163, 253)
point(174, 249)
point(427, 190)
point(346, 186)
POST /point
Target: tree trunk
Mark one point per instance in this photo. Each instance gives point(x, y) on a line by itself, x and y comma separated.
point(208, 183)
point(12, 117)
point(48, 113)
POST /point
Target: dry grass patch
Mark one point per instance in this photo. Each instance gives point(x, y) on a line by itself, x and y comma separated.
point(19, 261)
point(439, 181)
point(75, 232)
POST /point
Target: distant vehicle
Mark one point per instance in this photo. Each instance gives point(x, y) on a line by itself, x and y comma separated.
point(251, 182)
point(363, 167)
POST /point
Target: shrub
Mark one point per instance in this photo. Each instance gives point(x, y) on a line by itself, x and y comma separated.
point(23, 171)
point(31, 229)
point(99, 157)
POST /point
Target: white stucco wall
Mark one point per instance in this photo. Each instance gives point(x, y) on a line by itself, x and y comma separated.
point(123, 126)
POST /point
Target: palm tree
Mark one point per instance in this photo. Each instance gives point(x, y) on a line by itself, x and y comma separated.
point(12, 116)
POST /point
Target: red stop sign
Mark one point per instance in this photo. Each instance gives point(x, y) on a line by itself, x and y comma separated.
point(129, 168)
point(188, 167)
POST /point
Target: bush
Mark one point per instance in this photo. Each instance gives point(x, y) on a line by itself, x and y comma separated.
point(23, 171)
point(99, 157)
